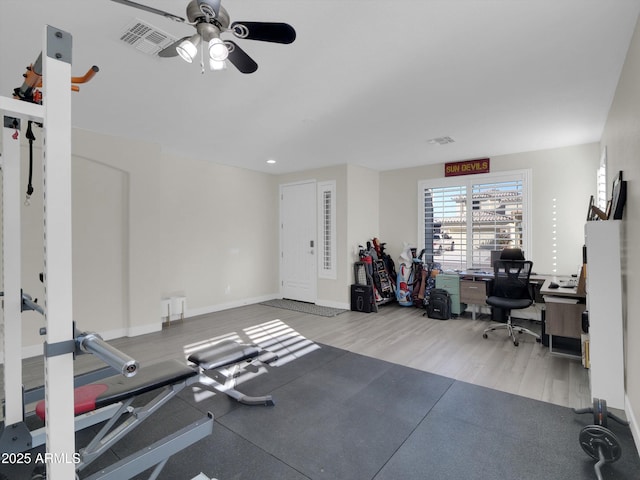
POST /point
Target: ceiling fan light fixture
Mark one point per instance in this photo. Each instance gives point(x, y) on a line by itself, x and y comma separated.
point(209, 7)
point(188, 48)
point(215, 65)
point(218, 51)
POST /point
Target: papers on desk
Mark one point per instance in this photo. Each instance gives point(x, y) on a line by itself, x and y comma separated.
point(553, 299)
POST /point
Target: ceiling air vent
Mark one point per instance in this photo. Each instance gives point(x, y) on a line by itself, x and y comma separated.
point(441, 140)
point(145, 38)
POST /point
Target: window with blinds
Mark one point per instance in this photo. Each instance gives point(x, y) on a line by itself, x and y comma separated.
point(445, 236)
point(464, 219)
point(327, 230)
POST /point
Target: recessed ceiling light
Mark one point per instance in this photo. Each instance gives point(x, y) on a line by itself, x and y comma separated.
point(441, 140)
point(271, 161)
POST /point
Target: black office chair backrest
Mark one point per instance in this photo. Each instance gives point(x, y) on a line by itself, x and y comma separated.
point(512, 254)
point(511, 279)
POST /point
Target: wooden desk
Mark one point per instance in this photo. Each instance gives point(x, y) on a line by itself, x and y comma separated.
point(563, 305)
point(563, 310)
point(563, 290)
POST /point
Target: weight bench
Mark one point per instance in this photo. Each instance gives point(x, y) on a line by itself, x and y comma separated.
point(170, 377)
point(216, 360)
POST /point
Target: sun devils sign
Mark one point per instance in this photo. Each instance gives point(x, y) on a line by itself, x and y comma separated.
point(467, 167)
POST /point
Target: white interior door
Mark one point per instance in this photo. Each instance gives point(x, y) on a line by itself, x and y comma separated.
point(298, 228)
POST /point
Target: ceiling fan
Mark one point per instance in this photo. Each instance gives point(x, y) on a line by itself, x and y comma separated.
point(210, 19)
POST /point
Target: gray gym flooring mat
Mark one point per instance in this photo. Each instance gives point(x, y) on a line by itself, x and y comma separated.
point(340, 415)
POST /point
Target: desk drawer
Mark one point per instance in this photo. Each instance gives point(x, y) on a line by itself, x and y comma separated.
point(474, 293)
point(451, 283)
point(564, 319)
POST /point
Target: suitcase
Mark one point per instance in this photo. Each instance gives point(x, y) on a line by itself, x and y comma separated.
point(362, 298)
point(439, 306)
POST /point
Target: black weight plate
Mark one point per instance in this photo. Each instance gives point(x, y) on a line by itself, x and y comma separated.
point(594, 438)
point(600, 412)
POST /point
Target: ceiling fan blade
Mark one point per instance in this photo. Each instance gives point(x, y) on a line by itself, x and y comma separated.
point(264, 31)
point(240, 59)
point(171, 51)
point(146, 8)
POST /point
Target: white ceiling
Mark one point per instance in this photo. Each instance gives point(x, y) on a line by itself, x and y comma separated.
point(366, 82)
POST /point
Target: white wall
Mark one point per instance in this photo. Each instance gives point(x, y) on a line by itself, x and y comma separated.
point(219, 231)
point(363, 215)
point(147, 225)
point(100, 247)
point(566, 174)
point(621, 138)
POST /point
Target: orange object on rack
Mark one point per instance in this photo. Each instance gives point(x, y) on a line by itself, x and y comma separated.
point(29, 92)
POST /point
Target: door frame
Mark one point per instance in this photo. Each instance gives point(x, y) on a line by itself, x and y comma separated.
point(313, 212)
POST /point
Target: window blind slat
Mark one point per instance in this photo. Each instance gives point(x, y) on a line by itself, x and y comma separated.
point(327, 260)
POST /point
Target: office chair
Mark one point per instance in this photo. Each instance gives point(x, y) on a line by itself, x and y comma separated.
point(511, 290)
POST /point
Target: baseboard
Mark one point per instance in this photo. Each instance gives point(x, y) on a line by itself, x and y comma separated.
point(194, 312)
point(633, 423)
point(139, 330)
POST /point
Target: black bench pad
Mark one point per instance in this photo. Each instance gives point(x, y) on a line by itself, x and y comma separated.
point(224, 353)
point(114, 389)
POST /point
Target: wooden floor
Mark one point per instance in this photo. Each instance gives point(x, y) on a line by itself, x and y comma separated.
point(454, 348)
